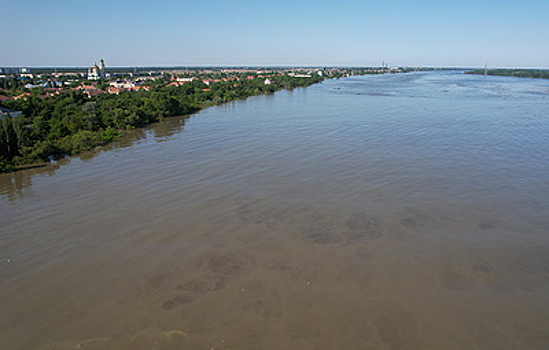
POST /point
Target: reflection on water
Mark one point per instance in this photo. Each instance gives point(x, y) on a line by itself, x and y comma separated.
point(384, 212)
point(12, 184)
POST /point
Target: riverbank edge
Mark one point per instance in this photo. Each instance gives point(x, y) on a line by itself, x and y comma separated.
point(515, 73)
point(99, 139)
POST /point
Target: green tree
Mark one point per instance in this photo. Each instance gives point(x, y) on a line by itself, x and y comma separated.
point(9, 142)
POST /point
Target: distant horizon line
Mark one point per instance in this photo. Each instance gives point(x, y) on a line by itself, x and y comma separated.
point(272, 66)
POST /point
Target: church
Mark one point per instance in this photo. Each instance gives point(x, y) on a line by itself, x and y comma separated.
point(96, 72)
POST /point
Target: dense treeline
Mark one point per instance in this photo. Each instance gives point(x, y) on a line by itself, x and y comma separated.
point(71, 122)
point(521, 73)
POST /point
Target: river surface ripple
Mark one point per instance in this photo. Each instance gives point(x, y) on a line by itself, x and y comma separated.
point(404, 211)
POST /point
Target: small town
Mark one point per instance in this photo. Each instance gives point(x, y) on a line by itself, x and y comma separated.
point(21, 83)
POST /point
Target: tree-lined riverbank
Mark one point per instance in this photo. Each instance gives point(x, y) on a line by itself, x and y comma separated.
point(73, 122)
point(520, 73)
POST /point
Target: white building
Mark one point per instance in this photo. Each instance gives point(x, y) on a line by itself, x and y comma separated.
point(125, 84)
point(184, 80)
point(96, 72)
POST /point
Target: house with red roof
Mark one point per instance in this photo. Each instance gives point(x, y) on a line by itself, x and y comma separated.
point(139, 87)
point(176, 83)
point(23, 95)
point(113, 90)
point(93, 92)
point(87, 87)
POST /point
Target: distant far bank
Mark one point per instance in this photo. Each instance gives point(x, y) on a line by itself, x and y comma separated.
point(519, 73)
point(140, 70)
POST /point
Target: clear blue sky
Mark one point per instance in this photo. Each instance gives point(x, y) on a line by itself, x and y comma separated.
point(243, 32)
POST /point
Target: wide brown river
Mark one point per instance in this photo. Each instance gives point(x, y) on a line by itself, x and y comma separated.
point(402, 211)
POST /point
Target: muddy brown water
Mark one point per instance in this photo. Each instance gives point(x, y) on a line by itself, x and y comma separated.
point(384, 212)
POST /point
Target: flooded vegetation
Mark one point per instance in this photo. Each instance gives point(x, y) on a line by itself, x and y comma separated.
point(386, 212)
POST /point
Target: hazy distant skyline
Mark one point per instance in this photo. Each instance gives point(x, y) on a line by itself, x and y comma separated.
point(466, 33)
